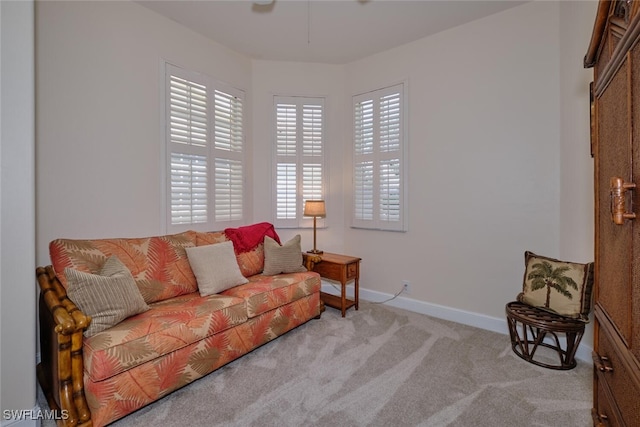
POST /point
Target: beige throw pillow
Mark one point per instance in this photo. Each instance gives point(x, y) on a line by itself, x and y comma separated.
point(561, 287)
point(215, 267)
point(282, 259)
point(108, 297)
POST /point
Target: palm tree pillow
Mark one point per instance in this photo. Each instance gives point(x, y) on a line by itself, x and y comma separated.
point(561, 287)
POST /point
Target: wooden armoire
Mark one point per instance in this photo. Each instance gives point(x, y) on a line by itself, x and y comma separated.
point(614, 54)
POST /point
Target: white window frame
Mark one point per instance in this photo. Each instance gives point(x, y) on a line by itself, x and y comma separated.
point(304, 158)
point(216, 137)
point(372, 151)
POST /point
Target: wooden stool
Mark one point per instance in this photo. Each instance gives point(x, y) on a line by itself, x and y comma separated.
point(535, 325)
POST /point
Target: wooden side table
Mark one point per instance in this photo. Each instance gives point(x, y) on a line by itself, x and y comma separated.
point(343, 269)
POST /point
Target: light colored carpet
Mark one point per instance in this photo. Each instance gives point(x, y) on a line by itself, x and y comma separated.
point(379, 366)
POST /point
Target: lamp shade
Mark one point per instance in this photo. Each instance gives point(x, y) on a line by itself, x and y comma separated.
point(315, 208)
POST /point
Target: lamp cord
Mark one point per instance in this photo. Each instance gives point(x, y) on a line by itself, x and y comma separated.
point(376, 302)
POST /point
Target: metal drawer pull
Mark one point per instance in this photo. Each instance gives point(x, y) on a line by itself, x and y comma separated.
point(618, 200)
point(602, 363)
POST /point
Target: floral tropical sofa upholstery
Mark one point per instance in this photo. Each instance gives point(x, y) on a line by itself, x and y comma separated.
point(178, 335)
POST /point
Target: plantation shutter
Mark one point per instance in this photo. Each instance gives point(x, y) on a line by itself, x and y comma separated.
point(379, 171)
point(189, 151)
point(205, 152)
point(364, 158)
point(286, 181)
point(390, 155)
point(299, 152)
point(228, 153)
point(312, 153)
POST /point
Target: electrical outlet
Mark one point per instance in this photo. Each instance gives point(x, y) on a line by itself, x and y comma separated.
point(406, 287)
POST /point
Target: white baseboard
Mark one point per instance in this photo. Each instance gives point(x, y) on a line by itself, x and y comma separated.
point(477, 320)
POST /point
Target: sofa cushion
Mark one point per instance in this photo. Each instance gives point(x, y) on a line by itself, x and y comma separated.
point(159, 265)
point(250, 263)
point(286, 258)
point(215, 267)
point(168, 326)
point(264, 293)
point(562, 287)
point(210, 237)
point(108, 297)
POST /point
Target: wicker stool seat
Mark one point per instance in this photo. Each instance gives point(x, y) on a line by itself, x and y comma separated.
point(528, 327)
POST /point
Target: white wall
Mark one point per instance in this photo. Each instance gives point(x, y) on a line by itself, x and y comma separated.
point(576, 166)
point(484, 165)
point(99, 118)
point(17, 214)
point(576, 172)
point(498, 156)
point(301, 79)
point(497, 115)
point(486, 100)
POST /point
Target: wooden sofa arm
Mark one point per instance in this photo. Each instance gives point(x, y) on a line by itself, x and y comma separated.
point(61, 369)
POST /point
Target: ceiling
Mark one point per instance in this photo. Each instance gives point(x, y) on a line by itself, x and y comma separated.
point(325, 31)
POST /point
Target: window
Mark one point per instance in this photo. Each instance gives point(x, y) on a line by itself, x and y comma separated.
point(205, 179)
point(299, 157)
point(379, 159)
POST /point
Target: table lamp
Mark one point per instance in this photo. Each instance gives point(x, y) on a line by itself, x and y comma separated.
point(315, 208)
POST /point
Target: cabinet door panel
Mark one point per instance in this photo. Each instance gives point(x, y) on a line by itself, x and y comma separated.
point(615, 250)
point(635, 119)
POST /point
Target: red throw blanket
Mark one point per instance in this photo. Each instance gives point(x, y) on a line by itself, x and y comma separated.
point(248, 237)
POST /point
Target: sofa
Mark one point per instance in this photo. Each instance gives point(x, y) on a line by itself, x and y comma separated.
point(158, 329)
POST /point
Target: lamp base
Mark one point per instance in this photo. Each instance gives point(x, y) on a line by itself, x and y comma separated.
point(315, 251)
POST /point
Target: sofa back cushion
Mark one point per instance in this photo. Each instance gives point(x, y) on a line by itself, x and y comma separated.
point(159, 264)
